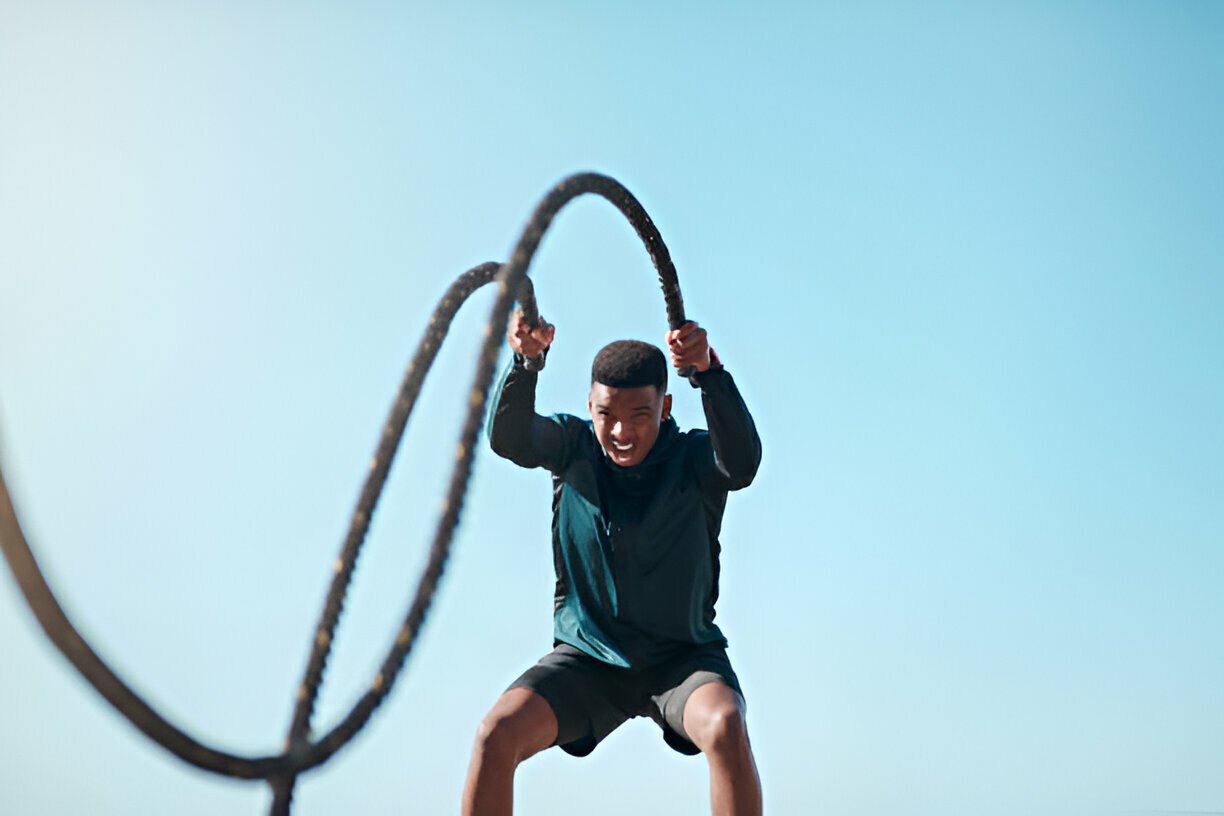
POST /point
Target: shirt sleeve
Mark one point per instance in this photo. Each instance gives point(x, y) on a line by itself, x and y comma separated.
point(517, 432)
point(735, 446)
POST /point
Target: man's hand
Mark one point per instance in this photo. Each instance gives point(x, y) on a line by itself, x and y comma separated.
point(689, 347)
point(527, 341)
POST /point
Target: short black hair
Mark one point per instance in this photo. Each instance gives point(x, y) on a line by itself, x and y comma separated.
point(630, 364)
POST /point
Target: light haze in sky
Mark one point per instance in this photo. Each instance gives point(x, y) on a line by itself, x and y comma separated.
point(964, 260)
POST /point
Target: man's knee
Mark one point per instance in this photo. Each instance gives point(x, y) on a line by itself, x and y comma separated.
point(520, 724)
point(725, 729)
point(714, 719)
point(495, 736)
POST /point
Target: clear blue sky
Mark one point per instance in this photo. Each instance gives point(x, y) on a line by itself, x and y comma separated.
point(965, 261)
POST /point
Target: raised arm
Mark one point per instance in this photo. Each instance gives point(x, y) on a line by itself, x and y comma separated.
point(516, 431)
point(736, 446)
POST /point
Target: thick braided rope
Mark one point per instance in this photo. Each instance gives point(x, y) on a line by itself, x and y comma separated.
point(301, 754)
point(380, 467)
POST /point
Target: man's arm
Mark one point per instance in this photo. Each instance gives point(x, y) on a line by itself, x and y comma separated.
point(735, 444)
point(516, 431)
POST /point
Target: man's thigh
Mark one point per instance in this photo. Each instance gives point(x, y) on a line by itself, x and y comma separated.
point(590, 699)
point(525, 718)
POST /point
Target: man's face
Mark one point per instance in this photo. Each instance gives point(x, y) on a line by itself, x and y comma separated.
point(627, 420)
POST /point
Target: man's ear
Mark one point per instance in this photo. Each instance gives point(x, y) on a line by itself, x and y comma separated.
point(666, 407)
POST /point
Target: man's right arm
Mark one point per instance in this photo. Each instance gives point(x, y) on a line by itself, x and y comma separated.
point(516, 431)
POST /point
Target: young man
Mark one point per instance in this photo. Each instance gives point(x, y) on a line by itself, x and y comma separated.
point(637, 507)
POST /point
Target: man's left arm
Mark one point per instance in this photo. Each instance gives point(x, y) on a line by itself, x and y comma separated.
point(733, 435)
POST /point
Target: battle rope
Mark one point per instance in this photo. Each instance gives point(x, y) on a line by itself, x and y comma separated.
point(302, 754)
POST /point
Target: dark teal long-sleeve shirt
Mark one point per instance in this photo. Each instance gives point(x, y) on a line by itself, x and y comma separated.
point(636, 549)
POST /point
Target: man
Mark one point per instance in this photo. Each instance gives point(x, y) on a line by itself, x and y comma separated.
point(637, 508)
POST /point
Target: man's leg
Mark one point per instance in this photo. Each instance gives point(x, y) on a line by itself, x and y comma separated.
point(714, 720)
point(520, 724)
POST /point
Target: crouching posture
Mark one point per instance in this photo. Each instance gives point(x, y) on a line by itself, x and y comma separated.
point(637, 507)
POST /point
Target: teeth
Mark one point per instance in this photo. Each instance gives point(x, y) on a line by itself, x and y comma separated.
point(619, 446)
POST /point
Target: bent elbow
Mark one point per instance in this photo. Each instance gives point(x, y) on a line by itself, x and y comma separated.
point(508, 449)
point(738, 478)
point(740, 481)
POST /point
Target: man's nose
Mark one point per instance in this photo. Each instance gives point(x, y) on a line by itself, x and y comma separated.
point(620, 430)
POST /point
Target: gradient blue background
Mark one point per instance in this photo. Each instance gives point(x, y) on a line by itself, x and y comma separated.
point(964, 260)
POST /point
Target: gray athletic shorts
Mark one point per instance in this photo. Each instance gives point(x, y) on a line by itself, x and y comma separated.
point(591, 698)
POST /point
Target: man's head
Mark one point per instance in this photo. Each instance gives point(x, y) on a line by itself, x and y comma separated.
point(628, 400)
